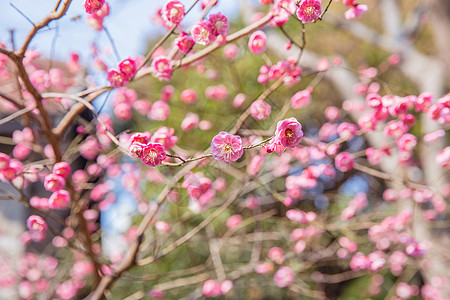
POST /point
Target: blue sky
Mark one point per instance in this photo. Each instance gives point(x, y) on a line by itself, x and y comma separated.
point(129, 23)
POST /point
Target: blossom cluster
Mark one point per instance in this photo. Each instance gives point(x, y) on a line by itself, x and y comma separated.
point(126, 69)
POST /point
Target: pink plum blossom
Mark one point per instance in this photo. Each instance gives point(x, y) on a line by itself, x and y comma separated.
point(234, 221)
point(230, 51)
point(356, 11)
point(159, 111)
point(128, 68)
point(188, 96)
point(190, 122)
point(217, 92)
point(309, 10)
point(346, 130)
point(226, 147)
point(284, 277)
point(211, 289)
point(257, 42)
point(289, 132)
point(260, 109)
point(116, 78)
point(162, 68)
point(59, 200)
point(219, 24)
point(92, 6)
point(62, 169)
point(443, 158)
point(165, 136)
point(276, 254)
point(255, 165)
point(173, 12)
point(152, 154)
point(53, 182)
point(301, 99)
point(202, 33)
point(344, 161)
point(184, 42)
point(36, 223)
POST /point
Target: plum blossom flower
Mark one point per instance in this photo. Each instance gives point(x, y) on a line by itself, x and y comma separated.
point(211, 289)
point(226, 147)
point(173, 12)
point(219, 24)
point(92, 6)
point(355, 11)
point(116, 78)
point(152, 154)
point(54, 182)
point(301, 99)
point(188, 96)
point(260, 109)
point(289, 132)
point(162, 68)
point(184, 42)
point(159, 111)
point(62, 169)
point(344, 161)
point(202, 33)
point(128, 68)
point(284, 277)
point(59, 200)
point(165, 136)
point(190, 122)
point(36, 223)
point(257, 42)
point(309, 10)
point(234, 221)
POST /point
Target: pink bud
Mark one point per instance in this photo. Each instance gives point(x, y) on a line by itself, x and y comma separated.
point(36, 223)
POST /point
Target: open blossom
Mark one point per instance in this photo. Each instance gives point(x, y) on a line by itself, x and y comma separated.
point(346, 130)
point(301, 99)
point(309, 10)
point(284, 277)
point(257, 42)
point(116, 78)
point(260, 109)
point(128, 68)
point(162, 68)
point(202, 33)
point(92, 6)
point(159, 111)
point(407, 142)
point(173, 12)
point(188, 96)
point(217, 92)
point(289, 132)
point(152, 154)
point(165, 136)
point(219, 24)
point(184, 42)
point(190, 122)
point(226, 147)
point(36, 223)
point(355, 11)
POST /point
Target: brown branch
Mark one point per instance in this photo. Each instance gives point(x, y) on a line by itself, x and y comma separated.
point(54, 15)
point(75, 110)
